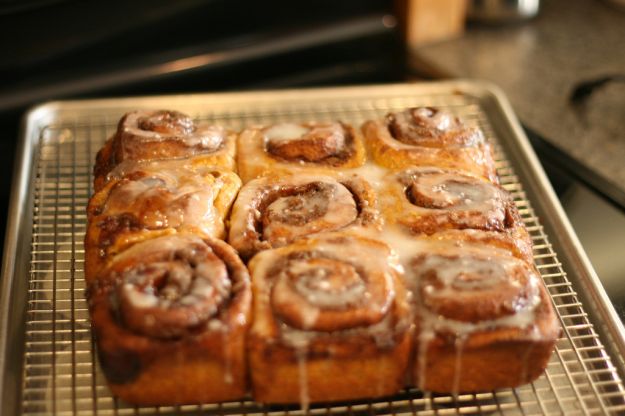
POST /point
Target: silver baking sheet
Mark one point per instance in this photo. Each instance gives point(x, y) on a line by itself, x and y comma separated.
point(47, 359)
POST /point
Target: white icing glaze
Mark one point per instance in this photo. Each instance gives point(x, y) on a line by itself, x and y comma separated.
point(450, 271)
point(371, 258)
point(522, 319)
point(206, 137)
point(140, 299)
point(285, 132)
point(180, 287)
point(370, 172)
point(424, 337)
point(315, 287)
point(326, 210)
point(227, 353)
point(455, 192)
point(403, 244)
point(179, 167)
point(308, 289)
point(439, 120)
point(382, 334)
point(459, 346)
point(169, 194)
point(158, 245)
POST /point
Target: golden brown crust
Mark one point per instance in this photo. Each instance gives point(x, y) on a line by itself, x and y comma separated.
point(497, 366)
point(370, 358)
point(144, 200)
point(272, 211)
point(472, 154)
point(202, 362)
point(159, 135)
point(305, 147)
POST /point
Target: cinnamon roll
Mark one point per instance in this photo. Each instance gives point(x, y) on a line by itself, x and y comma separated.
point(144, 200)
point(427, 136)
point(331, 321)
point(289, 147)
point(164, 134)
point(437, 286)
point(484, 319)
point(170, 317)
point(272, 212)
point(427, 200)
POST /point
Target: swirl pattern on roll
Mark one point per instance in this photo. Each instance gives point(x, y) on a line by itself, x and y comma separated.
point(272, 212)
point(334, 282)
point(431, 127)
point(462, 289)
point(471, 288)
point(289, 147)
point(431, 199)
point(171, 286)
point(161, 135)
point(168, 310)
point(314, 291)
point(143, 128)
point(426, 136)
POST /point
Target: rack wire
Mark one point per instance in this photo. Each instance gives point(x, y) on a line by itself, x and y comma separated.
point(61, 375)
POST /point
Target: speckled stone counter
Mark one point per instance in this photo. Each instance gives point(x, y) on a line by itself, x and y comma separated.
point(537, 64)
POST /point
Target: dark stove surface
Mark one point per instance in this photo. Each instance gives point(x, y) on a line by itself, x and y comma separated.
point(600, 226)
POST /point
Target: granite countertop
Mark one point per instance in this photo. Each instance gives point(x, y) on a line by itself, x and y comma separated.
point(537, 64)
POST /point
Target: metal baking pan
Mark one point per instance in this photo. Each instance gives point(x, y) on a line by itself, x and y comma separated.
point(47, 358)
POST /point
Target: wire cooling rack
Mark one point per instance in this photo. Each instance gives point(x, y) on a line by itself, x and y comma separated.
point(60, 371)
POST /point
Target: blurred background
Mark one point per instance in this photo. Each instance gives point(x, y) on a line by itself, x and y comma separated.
point(561, 63)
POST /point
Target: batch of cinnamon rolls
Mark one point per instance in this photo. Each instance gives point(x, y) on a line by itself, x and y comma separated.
point(309, 262)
